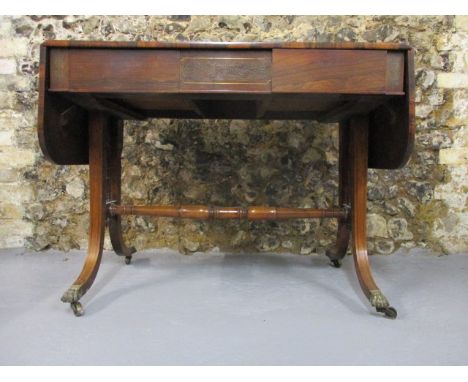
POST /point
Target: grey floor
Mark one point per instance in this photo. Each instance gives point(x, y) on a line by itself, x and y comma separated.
point(231, 309)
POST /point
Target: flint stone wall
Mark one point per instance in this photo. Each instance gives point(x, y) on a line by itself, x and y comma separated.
point(43, 205)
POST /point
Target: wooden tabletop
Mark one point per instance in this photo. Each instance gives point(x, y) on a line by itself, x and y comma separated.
point(225, 45)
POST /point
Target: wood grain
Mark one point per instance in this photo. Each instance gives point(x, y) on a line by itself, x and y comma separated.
point(359, 150)
point(114, 178)
point(153, 80)
point(208, 70)
point(98, 130)
point(114, 70)
point(395, 72)
point(224, 45)
point(202, 212)
point(392, 125)
point(344, 191)
point(62, 126)
point(368, 88)
point(329, 71)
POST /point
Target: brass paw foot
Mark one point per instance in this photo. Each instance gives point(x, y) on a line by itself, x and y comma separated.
point(73, 294)
point(128, 259)
point(380, 303)
point(377, 299)
point(390, 312)
point(77, 308)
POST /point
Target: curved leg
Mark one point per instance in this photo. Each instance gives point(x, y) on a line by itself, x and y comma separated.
point(337, 253)
point(359, 151)
point(97, 194)
point(115, 174)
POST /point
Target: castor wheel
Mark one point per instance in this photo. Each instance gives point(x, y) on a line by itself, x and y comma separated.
point(77, 308)
point(390, 312)
point(128, 259)
point(335, 263)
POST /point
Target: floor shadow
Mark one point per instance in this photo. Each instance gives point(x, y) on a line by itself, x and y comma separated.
point(175, 266)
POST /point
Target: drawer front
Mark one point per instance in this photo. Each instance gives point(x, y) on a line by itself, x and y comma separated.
point(221, 70)
point(114, 70)
point(280, 71)
point(337, 71)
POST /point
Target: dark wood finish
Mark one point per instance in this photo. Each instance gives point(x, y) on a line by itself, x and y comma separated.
point(224, 45)
point(335, 71)
point(114, 70)
point(161, 71)
point(392, 125)
point(348, 108)
point(304, 81)
point(344, 189)
point(201, 212)
point(91, 102)
point(62, 126)
point(215, 70)
point(237, 105)
point(358, 131)
point(395, 71)
point(98, 125)
point(114, 184)
point(87, 88)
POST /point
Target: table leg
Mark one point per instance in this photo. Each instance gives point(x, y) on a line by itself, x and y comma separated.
point(114, 179)
point(344, 227)
point(98, 125)
point(359, 152)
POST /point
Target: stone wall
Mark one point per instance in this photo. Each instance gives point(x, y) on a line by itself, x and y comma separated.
point(43, 205)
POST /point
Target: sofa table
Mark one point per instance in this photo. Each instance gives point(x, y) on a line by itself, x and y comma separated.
point(87, 89)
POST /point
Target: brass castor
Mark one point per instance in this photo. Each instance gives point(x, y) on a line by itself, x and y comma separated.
point(77, 308)
point(335, 263)
point(390, 312)
point(128, 259)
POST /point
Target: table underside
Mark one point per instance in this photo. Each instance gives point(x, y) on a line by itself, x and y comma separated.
point(319, 107)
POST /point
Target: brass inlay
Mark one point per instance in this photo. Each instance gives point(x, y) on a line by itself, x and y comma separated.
point(224, 58)
point(226, 83)
point(266, 62)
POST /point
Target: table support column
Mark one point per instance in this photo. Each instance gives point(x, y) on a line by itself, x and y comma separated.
point(114, 181)
point(344, 224)
point(98, 125)
point(358, 131)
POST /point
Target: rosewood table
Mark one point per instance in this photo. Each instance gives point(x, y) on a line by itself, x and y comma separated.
point(88, 88)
